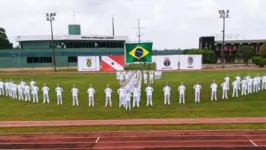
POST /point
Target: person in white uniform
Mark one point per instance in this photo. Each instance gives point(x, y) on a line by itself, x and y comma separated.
point(108, 95)
point(197, 89)
point(34, 92)
point(181, 90)
point(128, 99)
point(121, 92)
point(255, 84)
point(10, 88)
point(238, 79)
point(227, 80)
point(149, 91)
point(91, 92)
point(244, 87)
point(20, 92)
point(225, 90)
point(27, 92)
point(2, 91)
point(136, 92)
point(250, 82)
point(32, 82)
point(151, 77)
point(263, 87)
point(214, 87)
point(167, 91)
point(45, 91)
point(121, 79)
point(7, 87)
point(14, 91)
point(145, 78)
point(258, 82)
point(75, 91)
point(59, 91)
point(235, 88)
point(22, 83)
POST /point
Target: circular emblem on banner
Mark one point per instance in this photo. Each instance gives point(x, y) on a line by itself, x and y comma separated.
point(190, 60)
point(88, 62)
point(167, 62)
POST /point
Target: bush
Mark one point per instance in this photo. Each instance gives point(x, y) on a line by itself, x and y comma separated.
point(140, 66)
point(259, 61)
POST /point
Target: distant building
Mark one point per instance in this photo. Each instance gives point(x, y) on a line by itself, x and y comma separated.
point(230, 49)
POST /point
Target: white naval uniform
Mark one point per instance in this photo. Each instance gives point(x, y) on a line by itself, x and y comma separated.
point(121, 79)
point(149, 91)
point(225, 90)
point(136, 93)
point(27, 92)
point(10, 93)
point(227, 80)
point(238, 79)
point(244, 87)
point(263, 87)
point(145, 78)
point(181, 90)
point(45, 91)
point(108, 96)
point(34, 92)
point(14, 91)
point(167, 91)
point(2, 91)
point(128, 99)
point(197, 88)
point(255, 84)
point(91, 92)
point(250, 82)
point(75, 100)
point(7, 88)
point(121, 93)
point(214, 87)
point(59, 91)
point(151, 77)
point(20, 92)
point(235, 88)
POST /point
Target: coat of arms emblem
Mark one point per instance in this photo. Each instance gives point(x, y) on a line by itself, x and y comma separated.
point(89, 62)
point(167, 62)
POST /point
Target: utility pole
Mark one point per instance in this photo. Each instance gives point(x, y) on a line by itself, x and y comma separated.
point(51, 17)
point(113, 26)
point(139, 34)
point(223, 14)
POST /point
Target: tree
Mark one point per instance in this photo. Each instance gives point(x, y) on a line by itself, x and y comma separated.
point(4, 42)
point(246, 53)
point(262, 51)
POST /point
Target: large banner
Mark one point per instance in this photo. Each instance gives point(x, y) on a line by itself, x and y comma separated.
point(112, 63)
point(166, 62)
point(88, 63)
point(190, 61)
point(138, 52)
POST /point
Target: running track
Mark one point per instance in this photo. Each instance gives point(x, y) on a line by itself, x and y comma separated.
point(131, 122)
point(185, 140)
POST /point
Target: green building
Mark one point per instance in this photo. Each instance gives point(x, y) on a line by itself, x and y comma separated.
point(36, 51)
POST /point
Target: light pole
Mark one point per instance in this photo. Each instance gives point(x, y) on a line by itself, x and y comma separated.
point(223, 14)
point(51, 17)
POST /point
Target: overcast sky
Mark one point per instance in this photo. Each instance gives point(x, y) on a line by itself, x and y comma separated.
point(169, 24)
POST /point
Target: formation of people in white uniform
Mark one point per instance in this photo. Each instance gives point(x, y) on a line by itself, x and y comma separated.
point(131, 82)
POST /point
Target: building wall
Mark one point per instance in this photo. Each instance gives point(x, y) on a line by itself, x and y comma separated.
point(17, 58)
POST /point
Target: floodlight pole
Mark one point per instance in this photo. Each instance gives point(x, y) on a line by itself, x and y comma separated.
point(50, 17)
point(223, 14)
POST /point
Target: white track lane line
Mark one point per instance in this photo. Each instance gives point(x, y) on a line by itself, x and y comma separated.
point(97, 139)
point(253, 143)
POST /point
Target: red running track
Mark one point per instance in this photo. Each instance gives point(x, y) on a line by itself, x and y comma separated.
point(192, 140)
point(131, 122)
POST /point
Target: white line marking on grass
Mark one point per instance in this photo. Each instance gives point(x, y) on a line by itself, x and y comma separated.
point(253, 143)
point(97, 139)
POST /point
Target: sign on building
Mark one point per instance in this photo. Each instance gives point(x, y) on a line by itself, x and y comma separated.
point(166, 62)
point(190, 61)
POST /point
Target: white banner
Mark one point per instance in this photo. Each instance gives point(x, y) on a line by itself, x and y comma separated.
point(88, 63)
point(166, 62)
point(190, 61)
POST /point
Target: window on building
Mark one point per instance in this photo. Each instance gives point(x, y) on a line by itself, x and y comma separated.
point(72, 59)
point(217, 48)
point(31, 60)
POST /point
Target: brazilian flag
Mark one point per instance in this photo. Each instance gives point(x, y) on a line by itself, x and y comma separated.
point(138, 52)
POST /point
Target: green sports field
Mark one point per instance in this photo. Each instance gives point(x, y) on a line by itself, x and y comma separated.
point(248, 106)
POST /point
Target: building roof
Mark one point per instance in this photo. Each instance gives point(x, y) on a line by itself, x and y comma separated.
point(71, 38)
point(241, 41)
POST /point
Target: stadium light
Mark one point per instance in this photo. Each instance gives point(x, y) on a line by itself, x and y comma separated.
point(51, 17)
point(223, 14)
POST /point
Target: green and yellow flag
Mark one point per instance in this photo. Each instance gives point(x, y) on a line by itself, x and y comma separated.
point(138, 52)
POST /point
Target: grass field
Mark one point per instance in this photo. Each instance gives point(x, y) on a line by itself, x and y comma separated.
point(248, 106)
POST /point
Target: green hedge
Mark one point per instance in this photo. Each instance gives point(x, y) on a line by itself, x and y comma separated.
point(140, 66)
